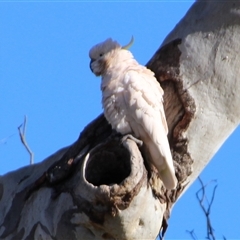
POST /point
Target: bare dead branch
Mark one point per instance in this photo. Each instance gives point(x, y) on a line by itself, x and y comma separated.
point(22, 135)
point(201, 196)
point(4, 140)
point(192, 234)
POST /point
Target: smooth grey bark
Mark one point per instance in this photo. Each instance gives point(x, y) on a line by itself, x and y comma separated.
point(209, 71)
point(101, 187)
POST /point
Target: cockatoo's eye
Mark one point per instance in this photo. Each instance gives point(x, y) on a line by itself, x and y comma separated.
point(101, 54)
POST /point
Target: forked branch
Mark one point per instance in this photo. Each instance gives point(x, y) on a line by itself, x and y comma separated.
point(201, 196)
point(22, 134)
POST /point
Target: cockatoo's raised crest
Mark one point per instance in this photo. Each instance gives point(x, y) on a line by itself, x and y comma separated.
point(133, 102)
point(129, 44)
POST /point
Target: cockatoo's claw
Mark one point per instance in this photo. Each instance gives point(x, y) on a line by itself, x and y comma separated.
point(129, 136)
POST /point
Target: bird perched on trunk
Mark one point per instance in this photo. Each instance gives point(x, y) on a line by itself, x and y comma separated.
point(133, 102)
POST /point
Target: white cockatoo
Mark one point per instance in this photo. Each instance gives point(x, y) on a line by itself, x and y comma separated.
point(133, 103)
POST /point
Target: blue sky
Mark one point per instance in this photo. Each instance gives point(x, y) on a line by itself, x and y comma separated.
point(44, 73)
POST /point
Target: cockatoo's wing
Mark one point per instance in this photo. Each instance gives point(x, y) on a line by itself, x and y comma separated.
point(144, 99)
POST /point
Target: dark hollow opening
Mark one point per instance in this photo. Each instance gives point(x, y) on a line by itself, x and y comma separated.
point(108, 166)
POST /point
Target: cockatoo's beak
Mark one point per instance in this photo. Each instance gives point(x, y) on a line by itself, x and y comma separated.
point(90, 65)
point(94, 69)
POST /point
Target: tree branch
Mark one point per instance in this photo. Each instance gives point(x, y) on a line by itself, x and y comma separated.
point(22, 134)
point(94, 197)
point(201, 196)
point(4, 140)
point(192, 234)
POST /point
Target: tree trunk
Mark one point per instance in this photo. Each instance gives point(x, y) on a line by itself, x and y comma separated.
point(101, 187)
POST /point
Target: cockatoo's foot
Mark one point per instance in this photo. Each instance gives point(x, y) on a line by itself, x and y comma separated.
point(129, 136)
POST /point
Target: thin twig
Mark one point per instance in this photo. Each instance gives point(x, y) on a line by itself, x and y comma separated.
point(23, 139)
point(192, 234)
point(206, 210)
point(4, 140)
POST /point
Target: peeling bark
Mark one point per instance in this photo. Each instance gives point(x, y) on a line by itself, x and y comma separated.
point(101, 187)
point(99, 201)
point(208, 72)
